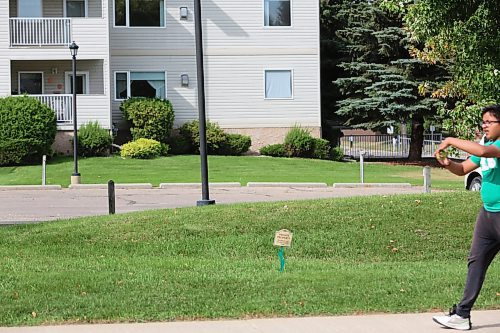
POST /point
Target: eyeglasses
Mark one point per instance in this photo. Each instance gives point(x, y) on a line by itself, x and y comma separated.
point(489, 122)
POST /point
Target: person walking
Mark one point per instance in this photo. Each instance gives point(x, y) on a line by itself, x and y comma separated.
point(486, 238)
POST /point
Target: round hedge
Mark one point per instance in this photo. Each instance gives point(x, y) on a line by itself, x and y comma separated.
point(28, 124)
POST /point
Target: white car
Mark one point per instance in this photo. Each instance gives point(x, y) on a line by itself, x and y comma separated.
point(473, 180)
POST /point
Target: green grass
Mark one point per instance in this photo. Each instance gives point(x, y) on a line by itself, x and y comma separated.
point(243, 169)
point(352, 255)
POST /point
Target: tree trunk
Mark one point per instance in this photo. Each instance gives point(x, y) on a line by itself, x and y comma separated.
point(417, 139)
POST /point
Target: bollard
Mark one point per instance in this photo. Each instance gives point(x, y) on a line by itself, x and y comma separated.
point(111, 197)
point(362, 166)
point(427, 179)
point(44, 169)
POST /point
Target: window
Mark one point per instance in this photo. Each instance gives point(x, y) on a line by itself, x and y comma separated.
point(82, 83)
point(140, 84)
point(278, 83)
point(29, 8)
point(277, 13)
point(75, 8)
point(140, 13)
point(31, 83)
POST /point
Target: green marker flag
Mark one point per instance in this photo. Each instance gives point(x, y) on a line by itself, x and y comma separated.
point(282, 258)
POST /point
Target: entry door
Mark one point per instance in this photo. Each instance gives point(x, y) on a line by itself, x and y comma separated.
point(29, 8)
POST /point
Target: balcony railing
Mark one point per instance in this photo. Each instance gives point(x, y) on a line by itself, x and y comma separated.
point(40, 31)
point(61, 104)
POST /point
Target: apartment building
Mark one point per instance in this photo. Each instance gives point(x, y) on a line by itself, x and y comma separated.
point(261, 60)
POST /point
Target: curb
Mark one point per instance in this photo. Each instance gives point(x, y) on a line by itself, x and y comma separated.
point(271, 184)
point(30, 187)
point(105, 186)
point(363, 185)
point(198, 185)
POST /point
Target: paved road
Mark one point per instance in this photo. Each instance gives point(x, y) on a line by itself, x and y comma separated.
point(22, 206)
point(483, 322)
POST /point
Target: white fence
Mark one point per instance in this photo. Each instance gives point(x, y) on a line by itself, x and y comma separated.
point(61, 104)
point(388, 146)
point(39, 31)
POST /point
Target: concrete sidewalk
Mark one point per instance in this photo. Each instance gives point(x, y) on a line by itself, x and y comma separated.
point(482, 321)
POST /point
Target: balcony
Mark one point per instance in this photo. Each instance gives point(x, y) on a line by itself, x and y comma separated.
point(40, 31)
point(61, 104)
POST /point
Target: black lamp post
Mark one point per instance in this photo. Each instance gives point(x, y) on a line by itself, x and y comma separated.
point(75, 177)
point(201, 107)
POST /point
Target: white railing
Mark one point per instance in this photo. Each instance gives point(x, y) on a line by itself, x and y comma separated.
point(61, 104)
point(388, 146)
point(40, 31)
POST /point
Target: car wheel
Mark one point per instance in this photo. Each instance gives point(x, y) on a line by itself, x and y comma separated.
point(475, 184)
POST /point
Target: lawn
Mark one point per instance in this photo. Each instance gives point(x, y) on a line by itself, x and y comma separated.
point(353, 255)
point(243, 169)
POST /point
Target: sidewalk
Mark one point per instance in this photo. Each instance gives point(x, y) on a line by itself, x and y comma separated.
point(482, 321)
point(27, 206)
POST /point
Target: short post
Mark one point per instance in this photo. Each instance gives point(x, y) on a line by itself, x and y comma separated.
point(111, 197)
point(44, 170)
point(427, 179)
point(362, 166)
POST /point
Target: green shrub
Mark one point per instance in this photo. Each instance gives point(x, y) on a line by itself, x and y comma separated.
point(336, 154)
point(180, 145)
point(276, 150)
point(143, 148)
point(235, 144)
point(93, 140)
point(150, 118)
point(298, 142)
point(15, 151)
point(215, 136)
point(27, 128)
point(321, 149)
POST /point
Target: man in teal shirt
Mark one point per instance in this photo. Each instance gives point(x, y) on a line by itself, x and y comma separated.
point(486, 239)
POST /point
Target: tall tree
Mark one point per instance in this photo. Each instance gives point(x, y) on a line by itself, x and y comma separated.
point(465, 36)
point(384, 84)
point(333, 53)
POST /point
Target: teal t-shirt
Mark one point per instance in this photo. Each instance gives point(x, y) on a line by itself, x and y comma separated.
point(490, 188)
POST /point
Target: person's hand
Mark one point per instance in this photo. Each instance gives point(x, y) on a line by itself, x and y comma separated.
point(442, 157)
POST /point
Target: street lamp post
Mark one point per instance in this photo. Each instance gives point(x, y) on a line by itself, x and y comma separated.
point(75, 177)
point(201, 107)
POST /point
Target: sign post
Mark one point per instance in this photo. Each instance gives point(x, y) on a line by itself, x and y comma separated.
point(432, 128)
point(282, 238)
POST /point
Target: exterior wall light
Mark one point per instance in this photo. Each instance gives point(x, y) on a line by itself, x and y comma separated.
point(183, 12)
point(184, 80)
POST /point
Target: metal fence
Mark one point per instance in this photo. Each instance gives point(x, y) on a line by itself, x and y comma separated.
point(388, 146)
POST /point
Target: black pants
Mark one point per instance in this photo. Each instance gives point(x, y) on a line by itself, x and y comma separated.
point(485, 245)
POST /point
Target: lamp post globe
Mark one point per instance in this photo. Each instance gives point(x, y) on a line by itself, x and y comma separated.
point(75, 177)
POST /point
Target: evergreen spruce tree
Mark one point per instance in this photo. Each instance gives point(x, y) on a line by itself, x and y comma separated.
point(384, 85)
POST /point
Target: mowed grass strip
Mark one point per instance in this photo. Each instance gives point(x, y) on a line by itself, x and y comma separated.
point(243, 169)
point(353, 255)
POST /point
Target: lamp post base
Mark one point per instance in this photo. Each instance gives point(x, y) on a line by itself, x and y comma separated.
point(75, 179)
point(200, 203)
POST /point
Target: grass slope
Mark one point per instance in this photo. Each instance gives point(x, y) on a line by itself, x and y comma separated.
point(352, 255)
